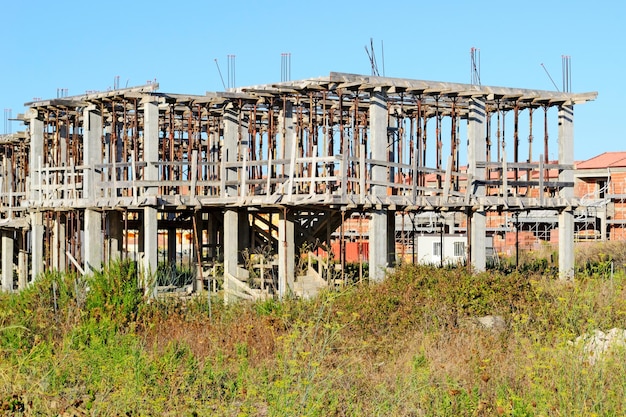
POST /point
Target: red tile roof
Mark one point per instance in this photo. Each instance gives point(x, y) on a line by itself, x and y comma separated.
point(604, 160)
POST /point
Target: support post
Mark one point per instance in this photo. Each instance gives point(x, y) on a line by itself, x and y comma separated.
point(286, 254)
point(566, 217)
point(93, 241)
point(476, 152)
point(379, 250)
point(58, 244)
point(36, 241)
point(22, 259)
point(149, 238)
point(231, 252)
point(92, 144)
point(115, 228)
point(35, 127)
point(7, 260)
point(151, 174)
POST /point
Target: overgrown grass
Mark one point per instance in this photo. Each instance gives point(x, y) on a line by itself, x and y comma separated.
point(407, 346)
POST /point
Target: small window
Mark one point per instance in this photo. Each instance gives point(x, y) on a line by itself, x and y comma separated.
point(601, 188)
point(436, 248)
point(459, 248)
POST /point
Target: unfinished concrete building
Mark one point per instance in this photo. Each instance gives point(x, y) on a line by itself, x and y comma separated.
point(260, 178)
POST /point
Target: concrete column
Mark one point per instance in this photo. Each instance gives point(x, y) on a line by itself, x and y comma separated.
point(150, 143)
point(92, 154)
point(22, 259)
point(149, 236)
point(22, 269)
point(379, 240)
point(476, 152)
point(233, 219)
point(58, 245)
point(115, 229)
point(106, 155)
point(93, 243)
point(286, 254)
point(230, 151)
point(36, 241)
point(231, 251)
point(197, 255)
point(35, 129)
point(288, 133)
point(378, 244)
point(566, 217)
point(7, 260)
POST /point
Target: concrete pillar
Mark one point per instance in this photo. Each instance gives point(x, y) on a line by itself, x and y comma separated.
point(231, 251)
point(566, 217)
point(288, 133)
point(7, 260)
point(22, 269)
point(115, 231)
point(378, 244)
point(230, 152)
point(106, 155)
point(36, 241)
point(58, 244)
point(22, 259)
point(235, 222)
point(286, 254)
point(198, 248)
point(92, 154)
point(150, 233)
point(476, 152)
point(379, 248)
point(151, 143)
point(149, 237)
point(35, 129)
point(93, 243)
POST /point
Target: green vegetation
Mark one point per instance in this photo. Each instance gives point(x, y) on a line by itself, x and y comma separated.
point(407, 346)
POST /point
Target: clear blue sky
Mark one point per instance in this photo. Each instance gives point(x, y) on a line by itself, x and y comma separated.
point(83, 45)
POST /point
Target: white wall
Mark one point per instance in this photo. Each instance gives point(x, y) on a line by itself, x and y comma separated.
point(426, 245)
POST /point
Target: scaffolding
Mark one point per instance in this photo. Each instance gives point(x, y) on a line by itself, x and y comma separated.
point(124, 173)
